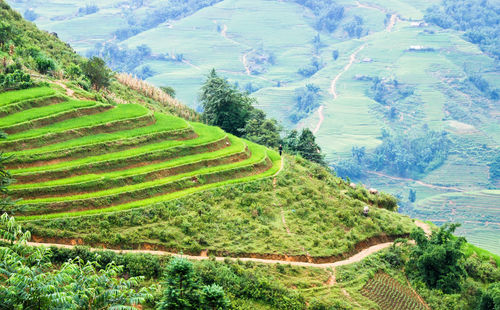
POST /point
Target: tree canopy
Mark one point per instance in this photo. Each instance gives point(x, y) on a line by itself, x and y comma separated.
point(304, 144)
point(30, 281)
point(97, 72)
point(438, 261)
point(224, 105)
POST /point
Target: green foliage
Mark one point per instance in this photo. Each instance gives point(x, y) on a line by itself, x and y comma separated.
point(417, 151)
point(412, 196)
point(305, 145)
point(183, 291)
point(314, 66)
point(328, 13)
point(97, 72)
point(335, 304)
point(307, 100)
point(388, 92)
point(248, 283)
point(74, 71)
point(88, 9)
point(261, 130)
point(29, 280)
point(6, 33)
point(15, 80)
point(438, 261)
point(477, 18)
point(169, 90)
point(354, 28)
point(172, 10)
point(5, 181)
point(30, 15)
point(16, 31)
point(335, 54)
point(491, 298)
point(224, 105)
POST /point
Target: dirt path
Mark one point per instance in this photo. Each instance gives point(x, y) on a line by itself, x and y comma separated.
point(427, 229)
point(392, 22)
point(69, 92)
point(284, 222)
point(353, 259)
point(333, 86)
point(416, 181)
point(245, 63)
point(321, 119)
point(190, 64)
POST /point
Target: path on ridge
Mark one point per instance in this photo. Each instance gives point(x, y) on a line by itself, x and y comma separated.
point(353, 259)
point(333, 86)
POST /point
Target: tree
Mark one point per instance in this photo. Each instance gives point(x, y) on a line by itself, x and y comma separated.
point(260, 130)
point(181, 289)
point(413, 195)
point(30, 15)
point(169, 90)
point(214, 298)
point(183, 292)
point(97, 72)
point(224, 105)
point(30, 281)
point(305, 145)
point(438, 261)
point(335, 54)
point(491, 298)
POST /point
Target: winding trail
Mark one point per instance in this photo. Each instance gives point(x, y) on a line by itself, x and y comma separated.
point(190, 64)
point(69, 91)
point(245, 63)
point(353, 259)
point(449, 188)
point(333, 86)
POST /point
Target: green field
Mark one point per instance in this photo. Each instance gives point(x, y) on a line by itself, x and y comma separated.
point(223, 35)
point(166, 162)
point(201, 153)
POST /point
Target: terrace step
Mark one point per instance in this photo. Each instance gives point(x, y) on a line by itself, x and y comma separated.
point(59, 117)
point(108, 183)
point(30, 104)
point(48, 158)
point(138, 160)
point(51, 138)
point(191, 181)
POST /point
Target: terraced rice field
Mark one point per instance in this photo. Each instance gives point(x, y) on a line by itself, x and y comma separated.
point(478, 212)
point(389, 294)
point(73, 157)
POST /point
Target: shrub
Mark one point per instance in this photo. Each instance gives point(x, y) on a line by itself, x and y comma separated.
point(44, 64)
point(16, 80)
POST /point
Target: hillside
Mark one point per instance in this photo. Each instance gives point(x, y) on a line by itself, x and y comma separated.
point(430, 78)
point(108, 161)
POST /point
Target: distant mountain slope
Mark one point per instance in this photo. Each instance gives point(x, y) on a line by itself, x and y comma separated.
point(401, 73)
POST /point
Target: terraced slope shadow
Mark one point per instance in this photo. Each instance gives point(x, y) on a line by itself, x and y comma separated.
point(71, 157)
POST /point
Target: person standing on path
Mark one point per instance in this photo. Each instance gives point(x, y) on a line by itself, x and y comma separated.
point(280, 148)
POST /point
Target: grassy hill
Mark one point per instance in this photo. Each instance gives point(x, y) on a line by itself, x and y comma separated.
point(119, 168)
point(247, 42)
point(70, 161)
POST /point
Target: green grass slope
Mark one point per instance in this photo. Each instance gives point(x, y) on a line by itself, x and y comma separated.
point(217, 184)
point(121, 165)
point(225, 35)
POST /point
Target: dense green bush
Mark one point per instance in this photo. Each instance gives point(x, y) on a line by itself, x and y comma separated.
point(44, 64)
point(16, 80)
